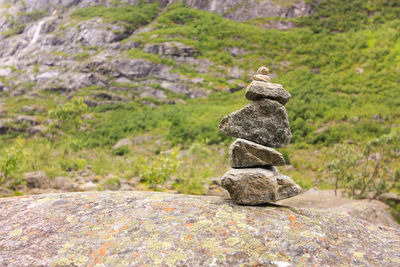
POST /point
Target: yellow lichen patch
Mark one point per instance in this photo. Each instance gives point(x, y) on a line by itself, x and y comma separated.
point(16, 232)
point(149, 226)
point(174, 257)
point(232, 241)
point(80, 260)
point(71, 220)
point(159, 245)
point(358, 255)
point(203, 224)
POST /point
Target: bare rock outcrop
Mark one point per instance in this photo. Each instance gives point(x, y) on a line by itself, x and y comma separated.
point(159, 229)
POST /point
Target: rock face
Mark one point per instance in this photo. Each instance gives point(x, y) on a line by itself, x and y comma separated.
point(264, 121)
point(37, 179)
point(245, 153)
point(254, 186)
point(260, 90)
point(159, 229)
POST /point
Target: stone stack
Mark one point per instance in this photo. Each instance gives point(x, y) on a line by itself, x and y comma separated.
point(259, 126)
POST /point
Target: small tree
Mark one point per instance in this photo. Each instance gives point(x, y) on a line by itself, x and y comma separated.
point(160, 170)
point(10, 163)
point(372, 169)
point(69, 115)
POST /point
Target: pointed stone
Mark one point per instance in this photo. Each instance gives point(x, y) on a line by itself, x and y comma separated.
point(257, 186)
point(245, 153)
point(260, 90)
point(261, 78)
point(264, 122)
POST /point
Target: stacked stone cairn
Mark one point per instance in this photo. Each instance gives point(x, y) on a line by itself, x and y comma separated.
point(259, 126)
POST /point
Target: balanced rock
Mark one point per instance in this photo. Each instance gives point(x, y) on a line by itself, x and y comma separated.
point(254, 186)
point(264, 122)
point(261, 78)
point(259, 90)
point(263, 70)
point(245, 153)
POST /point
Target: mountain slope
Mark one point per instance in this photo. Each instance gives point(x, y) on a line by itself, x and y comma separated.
point(139, 66)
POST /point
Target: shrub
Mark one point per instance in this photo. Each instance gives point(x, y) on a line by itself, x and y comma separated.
point(371, 170)
point(161, 169)
point(121, 151)
point(10, 163)
point(69, 115)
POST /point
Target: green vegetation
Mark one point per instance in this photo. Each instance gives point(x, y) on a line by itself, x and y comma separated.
point(370, 172)
point(160, 170)
point(130, 17)
point(341, 68)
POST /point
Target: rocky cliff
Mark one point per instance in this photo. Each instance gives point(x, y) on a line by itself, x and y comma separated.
point(159, 229)
point(45, 48)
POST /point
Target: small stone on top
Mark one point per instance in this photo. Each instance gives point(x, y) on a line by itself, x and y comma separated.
point(263, 70)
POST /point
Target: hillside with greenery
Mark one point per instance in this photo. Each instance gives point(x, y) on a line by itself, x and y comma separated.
point(341, 64)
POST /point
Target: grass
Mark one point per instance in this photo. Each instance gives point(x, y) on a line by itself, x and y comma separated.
point(131, 17)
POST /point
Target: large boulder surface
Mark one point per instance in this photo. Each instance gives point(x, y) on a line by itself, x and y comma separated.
point(159, 229)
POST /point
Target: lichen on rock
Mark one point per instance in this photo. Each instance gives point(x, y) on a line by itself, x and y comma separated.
point(159, 229)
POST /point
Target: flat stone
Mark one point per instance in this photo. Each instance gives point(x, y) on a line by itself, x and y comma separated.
point(245, 153)
point(255, 186)
point(263, 121)
point(260, 90)
point(263, 70)
point(261, 78)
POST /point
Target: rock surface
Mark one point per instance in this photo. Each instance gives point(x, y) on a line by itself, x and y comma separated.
point(254, 186)
point(372, 211)
point(264, 122)
point(259, 90)
point(245, 153)
point(159, 229)
point(4, 192)
point(37, 179)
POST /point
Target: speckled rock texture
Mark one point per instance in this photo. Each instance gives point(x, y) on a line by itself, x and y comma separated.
point(255, 186)
point(274, 91)
point(264, 122)
point(159, 229)
point(245, 153)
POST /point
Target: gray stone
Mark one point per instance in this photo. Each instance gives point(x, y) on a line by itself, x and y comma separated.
point(260, 90)
point(263, 70)
point(38, 129)
point(89, 186)
point(255, 186)
point(261, 78)
point(4, 192)
point(175, 49)
point(264, 122)
point(64, 183)
point(32, 120)
point(37, 179)
point(124, 142)
point(245, 153)
point(68, 229)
